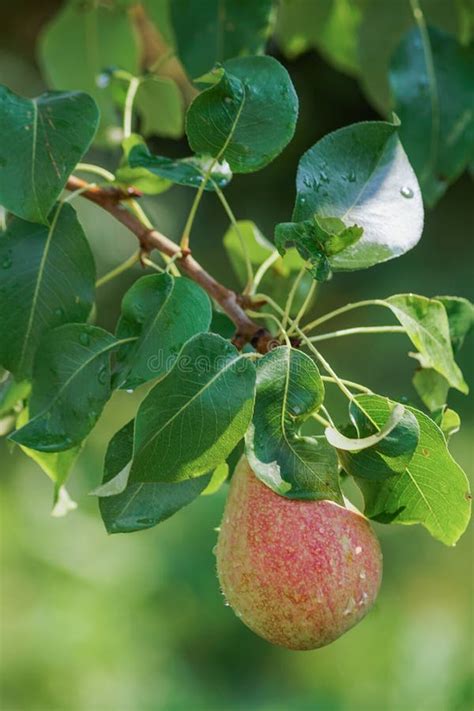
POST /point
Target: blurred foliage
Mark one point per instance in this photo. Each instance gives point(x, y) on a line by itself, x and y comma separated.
point(137, 623)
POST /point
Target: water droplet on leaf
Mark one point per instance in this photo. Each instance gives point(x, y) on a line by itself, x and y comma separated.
point(84, 339)
point(406, 192)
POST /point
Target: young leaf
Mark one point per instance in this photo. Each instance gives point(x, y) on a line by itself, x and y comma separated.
point(432, 388)
point(42, 140)
point(361, 175)
point(141, 178)
point(449, 422)
point(388, 449)
point(218, 477)
point(431, 80)
point(426, 324)
point(182, 171)
point(247, 116)
point(142, 505)
point(12, 393)
point(432, 491)
point(159, 103)
point(194, 417)
point(317, 241)
point(162, 313)
point(57, 466)
point(71, 384)
point(53, 270)
point(81, 43)
point(215, 30)
point(460, 314)
point(289, 389)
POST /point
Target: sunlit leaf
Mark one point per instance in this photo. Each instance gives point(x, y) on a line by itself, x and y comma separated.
point(361, 175)
point(433, 490)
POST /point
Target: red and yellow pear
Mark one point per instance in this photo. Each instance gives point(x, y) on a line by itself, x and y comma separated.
point(298, 573)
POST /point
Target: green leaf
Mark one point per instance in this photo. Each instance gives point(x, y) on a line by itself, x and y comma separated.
point(460, 318)
point(431, 80)
point(432, 491)
point(162, 313)
point(247, 117)
point(449, 422)
point(383, 24)
point(194, 417)
point(159, 103)
point(211, 31)
point(395, 443)
point(218, 477)
point(289, 390)
point(329, 26)
point(426, 324)
point(57, 466)
point(53, 270)
point(317, 241)
point(143, 505)
point(182, 171)
point(82, 42)
point(41, 142)
point(361, 175)
point(431, 387)
point(71, 384)
point(141, 178)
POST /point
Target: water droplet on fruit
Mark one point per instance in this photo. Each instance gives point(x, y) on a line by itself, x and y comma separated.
point(214, 550)
point(358, 550)
point(406, 192)
point(362, 575)
point(350, 607)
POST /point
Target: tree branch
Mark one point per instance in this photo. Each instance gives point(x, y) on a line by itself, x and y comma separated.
point(110, 200)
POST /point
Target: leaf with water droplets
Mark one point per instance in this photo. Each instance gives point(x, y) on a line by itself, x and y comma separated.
point(247, 116)
point(143, 505)
point(289, 390)
point(357, 174)
point(41, 141)
point(71, 384)
point(162, 313)
point(433, 490)
point(431, 81)
point(181, 171)
point(53, 270)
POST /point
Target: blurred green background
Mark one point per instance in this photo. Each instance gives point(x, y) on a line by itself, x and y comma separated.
point(92, 622)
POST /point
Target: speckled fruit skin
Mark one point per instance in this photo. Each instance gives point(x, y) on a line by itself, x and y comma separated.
point(298, 573)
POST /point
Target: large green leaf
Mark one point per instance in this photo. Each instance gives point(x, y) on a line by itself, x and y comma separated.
point(426, 324)
point(71, 384)
point(159, 103)
point(83, 41)
point(162, 313)
point(194, 417)
point(182, 171)
point(41, 141)
point(247, 116)
point(376, 452)
point(432, 491)
point(361, 175)
point(431, 80)
point(383, 24)
point(327, 25)
point(211, 31)
point(145, 504)
point(53, 270)
point(289, 390)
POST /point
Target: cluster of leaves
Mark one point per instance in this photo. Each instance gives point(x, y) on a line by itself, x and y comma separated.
point(358, 203)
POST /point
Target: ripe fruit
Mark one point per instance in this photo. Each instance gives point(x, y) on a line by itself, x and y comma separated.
point(298, 573)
